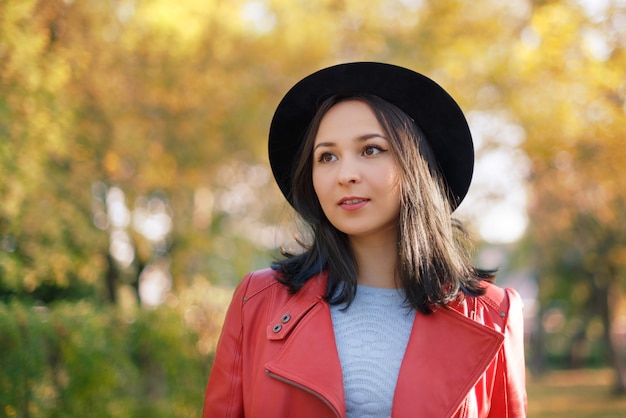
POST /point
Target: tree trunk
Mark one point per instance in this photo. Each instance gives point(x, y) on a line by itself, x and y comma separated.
point(609, 311)
point(537, 346)
point(111, 279)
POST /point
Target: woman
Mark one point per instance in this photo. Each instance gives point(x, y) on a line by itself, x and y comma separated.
point(382, 314)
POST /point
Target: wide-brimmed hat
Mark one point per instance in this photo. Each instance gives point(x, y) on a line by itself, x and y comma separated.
point(427, 103)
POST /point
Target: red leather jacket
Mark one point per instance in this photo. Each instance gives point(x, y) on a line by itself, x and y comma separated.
point(277, 357)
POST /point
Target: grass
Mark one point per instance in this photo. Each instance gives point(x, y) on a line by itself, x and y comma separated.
point(574, 394)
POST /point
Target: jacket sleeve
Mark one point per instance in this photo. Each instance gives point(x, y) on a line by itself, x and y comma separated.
point(224, 396)
point(512, 401)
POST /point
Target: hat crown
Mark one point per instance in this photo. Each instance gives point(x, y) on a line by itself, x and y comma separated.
point(422, 99)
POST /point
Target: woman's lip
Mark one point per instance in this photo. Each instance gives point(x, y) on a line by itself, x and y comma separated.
point(351, 200)
point(353, 203)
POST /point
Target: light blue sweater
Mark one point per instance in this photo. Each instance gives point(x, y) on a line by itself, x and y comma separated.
point(371, 337)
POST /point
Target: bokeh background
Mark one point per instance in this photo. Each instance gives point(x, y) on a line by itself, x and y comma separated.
point(135, 190)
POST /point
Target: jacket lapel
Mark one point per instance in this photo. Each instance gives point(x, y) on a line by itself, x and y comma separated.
point(309, 358)
point(446, 355)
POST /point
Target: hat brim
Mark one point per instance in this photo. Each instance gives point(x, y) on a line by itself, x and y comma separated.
point(427, 103)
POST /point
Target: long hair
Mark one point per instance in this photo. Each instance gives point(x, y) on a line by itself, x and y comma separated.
point(433, 263)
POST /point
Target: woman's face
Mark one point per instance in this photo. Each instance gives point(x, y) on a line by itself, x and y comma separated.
point(355, 175)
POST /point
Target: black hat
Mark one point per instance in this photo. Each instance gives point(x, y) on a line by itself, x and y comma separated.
point(427, 103)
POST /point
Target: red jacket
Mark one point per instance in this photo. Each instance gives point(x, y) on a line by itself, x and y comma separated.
point(277, 357)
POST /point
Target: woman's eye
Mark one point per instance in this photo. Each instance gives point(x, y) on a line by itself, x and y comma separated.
point(372, 150)
point(326, 158)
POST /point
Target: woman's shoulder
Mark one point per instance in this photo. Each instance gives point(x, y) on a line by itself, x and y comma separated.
point(500, 298)
point(501, 302)
point(257, 281)
point(267, 281)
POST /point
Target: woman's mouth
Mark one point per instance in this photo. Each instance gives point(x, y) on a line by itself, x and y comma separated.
point(353, 203)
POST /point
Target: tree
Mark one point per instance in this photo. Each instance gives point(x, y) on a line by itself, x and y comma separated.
point(567, 89)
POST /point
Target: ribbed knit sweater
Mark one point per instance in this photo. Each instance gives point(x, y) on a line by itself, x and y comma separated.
point(371, 337)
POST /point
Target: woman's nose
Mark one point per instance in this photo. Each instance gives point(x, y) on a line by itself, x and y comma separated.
point(348, 172)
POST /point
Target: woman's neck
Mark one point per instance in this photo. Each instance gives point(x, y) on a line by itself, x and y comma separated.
point(376, 262)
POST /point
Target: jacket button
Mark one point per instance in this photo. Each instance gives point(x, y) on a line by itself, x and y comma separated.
point(277, 328)
point(286, 317)
point(502, 314)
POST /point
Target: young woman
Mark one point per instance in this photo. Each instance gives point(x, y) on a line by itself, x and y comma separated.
point(382, 315)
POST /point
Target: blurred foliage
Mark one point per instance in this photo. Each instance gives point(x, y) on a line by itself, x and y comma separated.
point(133, 147)
point(81, 359)
point(570, 96)
point(174, 100)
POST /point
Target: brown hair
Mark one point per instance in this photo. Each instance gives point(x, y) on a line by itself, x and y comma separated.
point(433, 263)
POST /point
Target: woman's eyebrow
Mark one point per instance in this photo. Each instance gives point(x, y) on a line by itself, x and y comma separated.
point(323, 144)
point(370, 136)
point(360, 138)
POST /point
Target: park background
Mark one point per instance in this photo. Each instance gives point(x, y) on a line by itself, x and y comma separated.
point(135, 190)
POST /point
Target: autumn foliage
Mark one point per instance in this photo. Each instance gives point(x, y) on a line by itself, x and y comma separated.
point(134, 169)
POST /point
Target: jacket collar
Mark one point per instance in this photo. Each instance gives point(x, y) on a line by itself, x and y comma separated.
point(446, 355)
